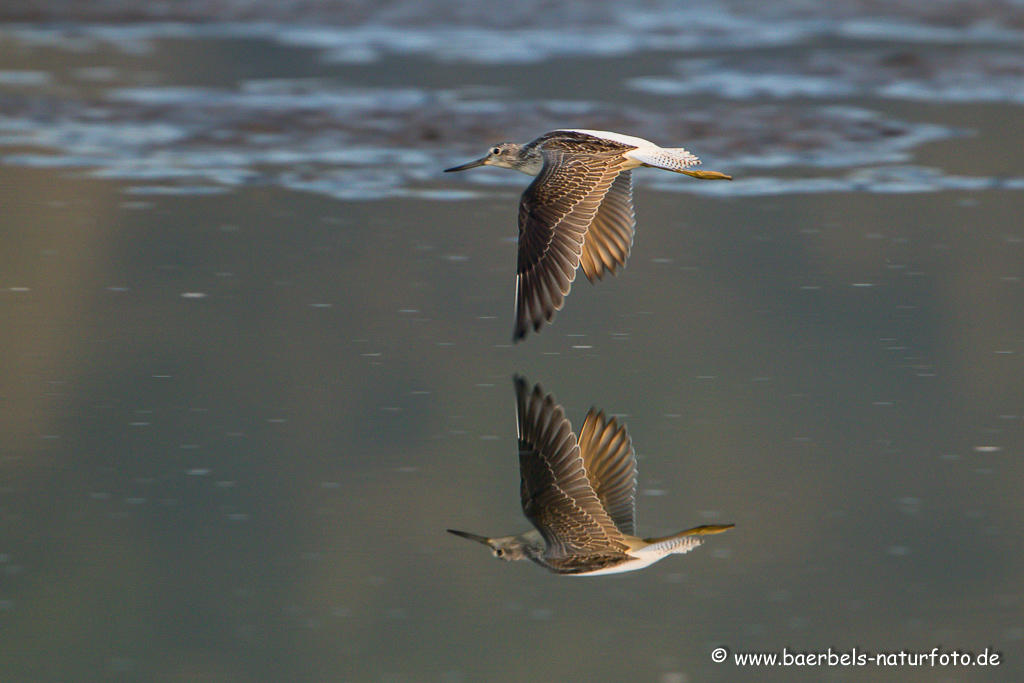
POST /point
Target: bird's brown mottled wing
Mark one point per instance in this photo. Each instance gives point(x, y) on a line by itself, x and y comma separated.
point(554, 214)
point(610, 237)
point(608, 457)
point(556, 495)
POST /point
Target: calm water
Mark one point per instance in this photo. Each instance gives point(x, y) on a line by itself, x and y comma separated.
point(257, 360)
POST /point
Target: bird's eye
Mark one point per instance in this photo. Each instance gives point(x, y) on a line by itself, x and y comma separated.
point(496, 151)
point(499, 552)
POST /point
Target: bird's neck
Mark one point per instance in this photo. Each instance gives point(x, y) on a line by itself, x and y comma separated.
point(530, 161)
point(531, 165)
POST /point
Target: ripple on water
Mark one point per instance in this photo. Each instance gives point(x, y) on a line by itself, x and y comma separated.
point(371, 143)
point(364, 150)
point(525, 32)
point(925, 74)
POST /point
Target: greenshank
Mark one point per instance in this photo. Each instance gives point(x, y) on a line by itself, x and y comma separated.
point(577, 211)
point(579, 494)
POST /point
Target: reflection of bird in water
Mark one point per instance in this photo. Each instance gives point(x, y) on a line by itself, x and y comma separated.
point(578, 211)
point(579, 494)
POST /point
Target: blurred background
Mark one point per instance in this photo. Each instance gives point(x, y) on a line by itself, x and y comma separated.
point(256, 346)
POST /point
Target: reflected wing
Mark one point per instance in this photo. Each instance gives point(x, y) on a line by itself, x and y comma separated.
point(608, 457)
point(554, 214)
point(556, 495)
point(610, 237)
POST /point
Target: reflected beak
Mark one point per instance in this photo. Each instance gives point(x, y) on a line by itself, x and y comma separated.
point(473, 537)
point(472, 164)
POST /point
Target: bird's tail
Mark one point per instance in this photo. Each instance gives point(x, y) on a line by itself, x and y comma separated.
point(684, 541)
point(671, 159)
point(676, 159)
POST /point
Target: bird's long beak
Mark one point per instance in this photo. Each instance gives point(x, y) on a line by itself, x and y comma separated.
point(472, 164)
point(472, 537)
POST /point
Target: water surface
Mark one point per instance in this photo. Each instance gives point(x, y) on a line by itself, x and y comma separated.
point(258, 349)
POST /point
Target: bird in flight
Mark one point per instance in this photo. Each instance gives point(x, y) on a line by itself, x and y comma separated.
point(579, 494)
point(577, 211)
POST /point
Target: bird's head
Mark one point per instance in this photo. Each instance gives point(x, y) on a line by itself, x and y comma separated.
point(506, 548)
point(503, 155)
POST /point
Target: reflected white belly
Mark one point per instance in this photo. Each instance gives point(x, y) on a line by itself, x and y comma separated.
point(632, 565)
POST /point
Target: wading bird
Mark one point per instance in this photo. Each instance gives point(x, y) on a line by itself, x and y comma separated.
point(579, 494)
point(577, 211)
